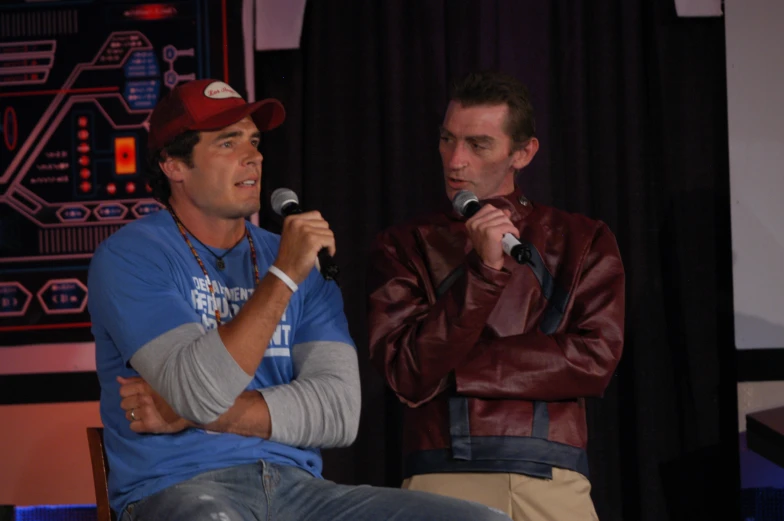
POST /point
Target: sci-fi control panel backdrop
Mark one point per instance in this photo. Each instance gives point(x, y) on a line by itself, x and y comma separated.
point(78, 81)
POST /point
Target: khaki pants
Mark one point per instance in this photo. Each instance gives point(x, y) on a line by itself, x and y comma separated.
point(566, 497)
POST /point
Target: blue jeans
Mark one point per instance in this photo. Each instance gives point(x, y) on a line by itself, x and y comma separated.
point(264, 491)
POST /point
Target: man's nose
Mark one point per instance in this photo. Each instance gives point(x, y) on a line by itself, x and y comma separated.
point(458, 157)
point(253, 155)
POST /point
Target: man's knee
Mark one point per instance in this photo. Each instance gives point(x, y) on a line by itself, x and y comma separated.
point(191, 501)
point(201, 511)
point(207, 508)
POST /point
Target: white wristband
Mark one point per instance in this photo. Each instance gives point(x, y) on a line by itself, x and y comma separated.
point(285, 278)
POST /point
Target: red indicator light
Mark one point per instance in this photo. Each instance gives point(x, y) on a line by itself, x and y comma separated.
point(125, 155)
point(151, 12)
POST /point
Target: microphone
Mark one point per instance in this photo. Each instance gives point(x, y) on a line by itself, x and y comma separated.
point(284, 203)
point(467, 204)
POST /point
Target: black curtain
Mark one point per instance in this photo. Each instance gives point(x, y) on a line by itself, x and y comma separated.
point(632, 119)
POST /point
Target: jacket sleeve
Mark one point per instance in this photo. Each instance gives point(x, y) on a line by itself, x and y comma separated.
point(578, 360)
point(416, 339)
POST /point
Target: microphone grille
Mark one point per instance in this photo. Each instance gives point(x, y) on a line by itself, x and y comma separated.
point(281, 197)
point(461, 199)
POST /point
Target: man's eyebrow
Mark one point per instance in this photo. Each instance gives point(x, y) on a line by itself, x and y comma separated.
point(235, 133)
point(227, 135)
point(481, 138)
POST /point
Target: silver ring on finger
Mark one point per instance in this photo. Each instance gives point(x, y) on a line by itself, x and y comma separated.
point(133, 415)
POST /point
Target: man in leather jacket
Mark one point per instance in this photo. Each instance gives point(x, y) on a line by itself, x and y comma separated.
point(494, 359)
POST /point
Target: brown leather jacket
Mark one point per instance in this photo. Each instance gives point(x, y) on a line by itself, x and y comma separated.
point(494, 365)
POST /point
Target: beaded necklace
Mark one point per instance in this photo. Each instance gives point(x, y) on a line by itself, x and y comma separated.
point(219, 262)
point(257, 279)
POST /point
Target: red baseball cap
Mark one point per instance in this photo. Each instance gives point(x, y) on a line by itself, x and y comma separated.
point(207, 105)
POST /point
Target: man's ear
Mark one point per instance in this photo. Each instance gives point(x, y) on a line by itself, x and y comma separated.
point(174, 168)
point(524, 154)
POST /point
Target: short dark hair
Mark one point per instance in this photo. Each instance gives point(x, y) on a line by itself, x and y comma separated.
point(495, 88)
point(180, 148)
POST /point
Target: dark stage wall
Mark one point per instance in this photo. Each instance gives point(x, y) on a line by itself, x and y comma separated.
point(632, 117)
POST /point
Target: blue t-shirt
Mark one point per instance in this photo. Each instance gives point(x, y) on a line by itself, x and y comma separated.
point(144, 281)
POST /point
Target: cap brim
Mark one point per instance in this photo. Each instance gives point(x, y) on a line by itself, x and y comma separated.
point(267, 114)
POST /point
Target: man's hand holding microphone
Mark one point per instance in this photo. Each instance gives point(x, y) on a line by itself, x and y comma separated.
point(306, 240)
point(491, 231)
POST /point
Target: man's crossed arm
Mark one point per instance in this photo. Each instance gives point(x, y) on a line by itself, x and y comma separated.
point(320, 407)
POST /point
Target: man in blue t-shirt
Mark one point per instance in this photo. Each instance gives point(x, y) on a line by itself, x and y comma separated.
point(224, 357)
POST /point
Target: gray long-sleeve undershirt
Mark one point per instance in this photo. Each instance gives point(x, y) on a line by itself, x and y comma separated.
point(321, 406)
point(198, 377)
